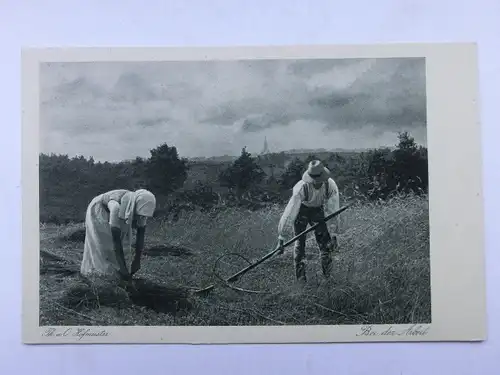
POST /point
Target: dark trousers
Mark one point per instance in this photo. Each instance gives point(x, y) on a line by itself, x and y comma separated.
point(326, 244)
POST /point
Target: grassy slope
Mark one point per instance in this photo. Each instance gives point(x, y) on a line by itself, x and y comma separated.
point(382, 274)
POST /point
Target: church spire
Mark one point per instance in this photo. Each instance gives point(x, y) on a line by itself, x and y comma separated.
point(265, 150)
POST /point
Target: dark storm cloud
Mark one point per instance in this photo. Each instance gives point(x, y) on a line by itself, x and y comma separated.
point(393, 97)
point(265, 121)
point(396, 98)
point(218, 106)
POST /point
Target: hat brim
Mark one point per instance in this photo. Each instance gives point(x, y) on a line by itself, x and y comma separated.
point(325, 175)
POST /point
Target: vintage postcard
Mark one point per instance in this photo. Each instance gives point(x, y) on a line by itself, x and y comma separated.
point(292, 194)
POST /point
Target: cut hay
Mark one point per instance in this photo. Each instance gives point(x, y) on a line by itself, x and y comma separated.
point(381, 274)
point(96, 293)
point(51, 257)
point(86, 294)
point(54, 268)
point(55, 265)
point(76, 236)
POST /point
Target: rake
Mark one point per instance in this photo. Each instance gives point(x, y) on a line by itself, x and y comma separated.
point(237, 275)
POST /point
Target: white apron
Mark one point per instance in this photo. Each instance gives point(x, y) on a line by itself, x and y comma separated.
point(98, 255)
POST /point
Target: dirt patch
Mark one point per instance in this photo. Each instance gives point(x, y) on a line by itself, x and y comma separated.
point(168, 250)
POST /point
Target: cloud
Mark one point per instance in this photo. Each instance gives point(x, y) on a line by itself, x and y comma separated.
point(131, 87)
point(121, 110)
point(265, 121)
point(389, 93)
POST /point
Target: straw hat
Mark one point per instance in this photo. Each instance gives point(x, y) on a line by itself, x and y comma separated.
point(316, 172)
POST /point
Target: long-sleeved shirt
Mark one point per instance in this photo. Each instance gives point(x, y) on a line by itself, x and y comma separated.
point(315, 198)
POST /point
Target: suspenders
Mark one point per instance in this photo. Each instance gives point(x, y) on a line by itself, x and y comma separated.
point(306, 190)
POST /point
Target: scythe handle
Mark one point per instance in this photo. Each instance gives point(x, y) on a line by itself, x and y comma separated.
point(288, 243)
point(270, 254)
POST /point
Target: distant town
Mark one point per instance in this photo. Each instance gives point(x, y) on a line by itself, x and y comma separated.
point(267, 151)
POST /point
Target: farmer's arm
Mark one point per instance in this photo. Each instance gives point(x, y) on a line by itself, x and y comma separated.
point(141, 232)
point(291, 210)
point(139, 244)
point(116, 233)
point(332, 204)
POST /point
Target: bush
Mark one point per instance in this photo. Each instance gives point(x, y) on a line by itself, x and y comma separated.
point(201, 195)
point(67, 185)
point(243, 174)
point(166, 172)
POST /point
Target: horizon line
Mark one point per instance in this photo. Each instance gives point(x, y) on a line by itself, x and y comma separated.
point(254, 154)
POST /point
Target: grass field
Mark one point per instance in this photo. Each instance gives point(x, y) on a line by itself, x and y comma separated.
point(380, 276)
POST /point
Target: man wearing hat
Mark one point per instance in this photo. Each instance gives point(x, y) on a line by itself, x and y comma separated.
point(313, 197)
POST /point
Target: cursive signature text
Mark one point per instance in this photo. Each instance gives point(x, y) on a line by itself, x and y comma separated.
point(413, 330)
point(78, 333)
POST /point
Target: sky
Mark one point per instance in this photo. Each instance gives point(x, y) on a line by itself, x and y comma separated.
point(120, 110)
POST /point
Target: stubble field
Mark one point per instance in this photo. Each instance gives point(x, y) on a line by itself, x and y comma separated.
point(381, 274)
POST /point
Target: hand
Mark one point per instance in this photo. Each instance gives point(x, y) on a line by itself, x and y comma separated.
point(136, 266)
point(280, 246)
point(334, 245)
point(124, 275)
point(124, 279)
point(128, 285)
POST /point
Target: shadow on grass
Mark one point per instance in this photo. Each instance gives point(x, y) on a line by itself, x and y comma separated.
point(85, 294)
point(159, 297)
point(82, 293)
point(168, 250)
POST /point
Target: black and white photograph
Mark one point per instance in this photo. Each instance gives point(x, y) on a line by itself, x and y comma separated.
point(236, 192)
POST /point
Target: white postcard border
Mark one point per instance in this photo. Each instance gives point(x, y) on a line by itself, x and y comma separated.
point(455, 197)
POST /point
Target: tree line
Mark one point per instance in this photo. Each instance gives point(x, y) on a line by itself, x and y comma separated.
point(67, 185)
